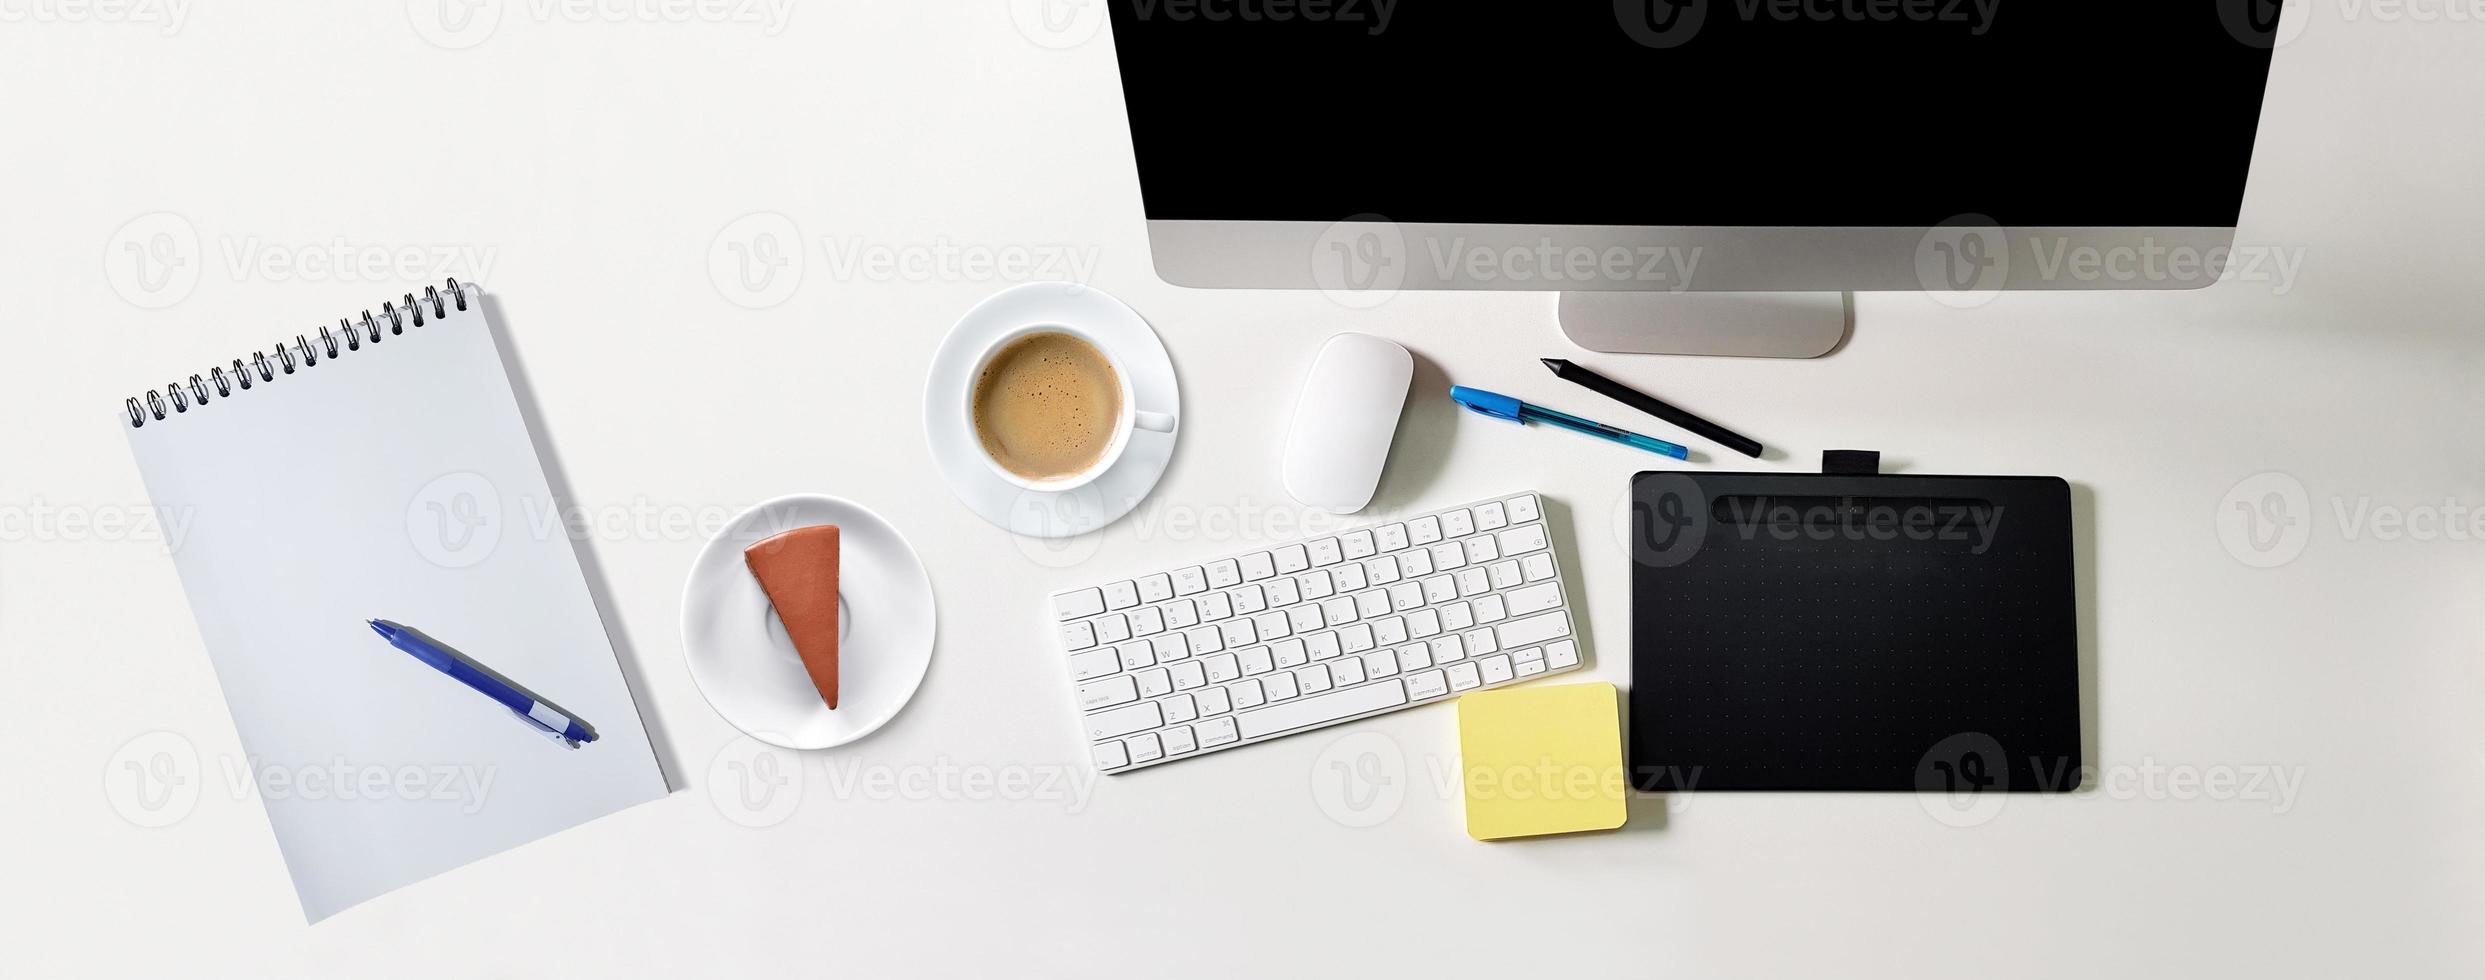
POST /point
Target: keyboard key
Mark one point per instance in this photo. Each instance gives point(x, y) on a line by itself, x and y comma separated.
point(1414, 656)
point(1312, 680)
point(1315, 585)
point(1491, 609)
point(1190, 581)
point(1108, 692)
point(1112, 628)
point(1389, 631)
point(1291, 653)
point(1481, 642)
point(1521, 540)
point(1505, 574)
point(1381, 571)
point(1171, 647)
point(1338, 610)
point(1121, 595)
point(1291, 559)
point(1273, 625)
point(1424, 530)
point(1357, 638)
point(1496, 669)
point(1279, 686)
point(1323, 646)
point(1324, 552)
point(1534, 599)
point(1349, 576)
point(1078, 636)
point(1347, 672)
point(1180, 614)
point(1538, 567)
point(1145, 748)
point(1406, 595)
point(1440, 588)
point(1258, 565)
point(1429, 684)
point(1179, 708)
point(1531, 668)
point(1214, 701)
point(1415, 564)
point(1321, 710)
point(1446, 649)
point(1078, 605)
point(1205, 639)
point(1240, 632)
point(1155, 682)
point(1389, 537)
point(1457, 524)
point(1447, 555)
point(1117, 722)
point(1283, 592)
point(1147, 622)
point(1371, 602)
point(1491, 517)
point(1255, 661)
point(1224, 574)
point(1178, 740)
point(1221, 668)
point(1536, 629)
point(1456, 616)
point(1305, 619)
point(1563, 655)
point(1248, 599)
point(1463, 677)
point(1522, 508)
point(1472, 581)
point(1110, 755)
point(1247, 694)
point(1155, 588)
point(1480, 549)
point(1530, 653)
point(1215, 732)
point(1215, 606)
point(1422, 623)
point(1358, 544)
point(1094, 664)
point(1189, 675)
point(1380, 663)
point(1137, 655)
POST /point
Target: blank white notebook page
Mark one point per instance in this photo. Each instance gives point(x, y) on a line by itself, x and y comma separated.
point(395, 482)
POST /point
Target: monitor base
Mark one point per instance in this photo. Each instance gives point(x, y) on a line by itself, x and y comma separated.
point(1721, 324)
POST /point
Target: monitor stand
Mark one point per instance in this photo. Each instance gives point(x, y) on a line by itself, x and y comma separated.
point(1727, 324)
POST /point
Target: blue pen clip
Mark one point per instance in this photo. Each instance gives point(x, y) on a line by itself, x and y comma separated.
point(1483, 402)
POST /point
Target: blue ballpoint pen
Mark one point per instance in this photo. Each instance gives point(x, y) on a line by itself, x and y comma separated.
point(542, 716)
point(1511, 409)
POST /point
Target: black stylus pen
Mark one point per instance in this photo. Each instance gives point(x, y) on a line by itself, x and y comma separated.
point(1635, 398)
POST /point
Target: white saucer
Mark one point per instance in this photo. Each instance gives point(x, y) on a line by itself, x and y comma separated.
point(1037, 513)
point(747, 668)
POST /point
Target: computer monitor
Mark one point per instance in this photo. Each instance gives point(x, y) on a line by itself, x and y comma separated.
point(1749, 160)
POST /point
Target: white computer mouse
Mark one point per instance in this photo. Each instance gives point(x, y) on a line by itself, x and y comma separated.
point(1344, 421)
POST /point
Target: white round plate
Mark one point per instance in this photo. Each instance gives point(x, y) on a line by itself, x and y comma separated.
point(1037, 513)
point(746, 666)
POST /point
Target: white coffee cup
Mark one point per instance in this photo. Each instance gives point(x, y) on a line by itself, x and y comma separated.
point(1130, 418)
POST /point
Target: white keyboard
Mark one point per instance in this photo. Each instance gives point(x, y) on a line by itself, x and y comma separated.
point(1275, 641)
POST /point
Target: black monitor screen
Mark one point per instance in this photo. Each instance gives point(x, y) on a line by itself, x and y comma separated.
point(1807, 113)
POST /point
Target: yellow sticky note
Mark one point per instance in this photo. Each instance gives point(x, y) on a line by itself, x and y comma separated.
point(1542, 760)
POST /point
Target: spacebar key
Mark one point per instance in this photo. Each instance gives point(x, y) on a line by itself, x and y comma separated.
point(1321, 709)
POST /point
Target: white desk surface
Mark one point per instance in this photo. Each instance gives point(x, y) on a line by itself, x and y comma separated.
point(586, 169)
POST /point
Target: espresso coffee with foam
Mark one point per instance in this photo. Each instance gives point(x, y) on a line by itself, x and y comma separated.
point(1046, 406)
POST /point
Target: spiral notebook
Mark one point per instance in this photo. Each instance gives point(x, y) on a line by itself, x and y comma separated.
point(383, 469)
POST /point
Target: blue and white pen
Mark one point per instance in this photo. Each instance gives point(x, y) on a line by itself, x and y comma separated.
point(551, 723)
point(1510, 409)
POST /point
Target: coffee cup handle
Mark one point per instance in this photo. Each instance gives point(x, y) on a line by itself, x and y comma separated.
point(1152, 421)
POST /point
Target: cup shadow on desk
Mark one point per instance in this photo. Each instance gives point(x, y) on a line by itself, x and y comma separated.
point(1421, 449)
point(487, 670)
point(633, 671)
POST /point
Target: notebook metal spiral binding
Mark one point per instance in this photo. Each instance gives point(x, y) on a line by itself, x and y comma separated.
point(303, 353)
